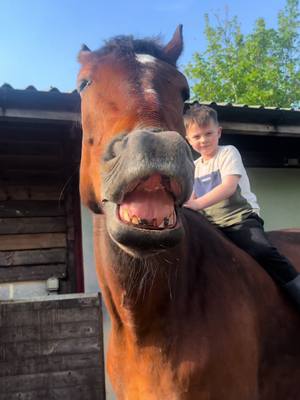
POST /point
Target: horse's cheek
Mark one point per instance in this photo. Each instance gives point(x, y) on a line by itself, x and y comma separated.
point(90, 185)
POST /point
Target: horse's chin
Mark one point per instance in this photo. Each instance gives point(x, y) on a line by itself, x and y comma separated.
point(140, 241)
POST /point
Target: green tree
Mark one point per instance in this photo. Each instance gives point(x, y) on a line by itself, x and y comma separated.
point(261, 68)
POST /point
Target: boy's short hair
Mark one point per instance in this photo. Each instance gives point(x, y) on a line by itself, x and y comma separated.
point(200, 115)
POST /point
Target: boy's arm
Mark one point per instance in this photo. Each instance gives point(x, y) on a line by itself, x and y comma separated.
point(219, 193)
point(193, 196)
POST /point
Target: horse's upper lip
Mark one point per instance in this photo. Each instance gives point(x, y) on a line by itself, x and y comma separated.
point(169, 184)
point(142, 154)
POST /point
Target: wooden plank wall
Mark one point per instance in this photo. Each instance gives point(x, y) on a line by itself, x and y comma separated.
point(52, 349)
point(37, 189)
point(32, 233)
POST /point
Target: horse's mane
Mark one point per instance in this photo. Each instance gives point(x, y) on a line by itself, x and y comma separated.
point(127, 46)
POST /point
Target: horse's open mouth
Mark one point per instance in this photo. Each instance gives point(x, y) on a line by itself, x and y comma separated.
point(147, 218)
point(150, 203)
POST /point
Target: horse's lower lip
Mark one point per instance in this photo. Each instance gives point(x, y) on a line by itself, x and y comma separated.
point(140, 241)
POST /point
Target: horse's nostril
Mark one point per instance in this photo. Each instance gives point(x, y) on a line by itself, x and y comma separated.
point(115, 147)
point(156, 130)
point(119, 145)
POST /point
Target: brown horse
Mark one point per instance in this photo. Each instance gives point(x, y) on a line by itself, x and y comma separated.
point(193, 316)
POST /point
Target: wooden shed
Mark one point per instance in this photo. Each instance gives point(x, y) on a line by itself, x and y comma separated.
point(40, 222)
point(51, 347)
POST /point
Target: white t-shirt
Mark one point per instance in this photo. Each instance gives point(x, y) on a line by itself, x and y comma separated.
point(210, 173)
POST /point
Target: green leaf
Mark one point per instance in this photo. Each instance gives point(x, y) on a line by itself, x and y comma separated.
point(262, 67)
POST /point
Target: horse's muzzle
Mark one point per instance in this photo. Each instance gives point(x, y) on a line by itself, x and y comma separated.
point(146, 176)
point(140, 154)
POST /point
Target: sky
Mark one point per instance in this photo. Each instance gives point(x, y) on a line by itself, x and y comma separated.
point(40, 39)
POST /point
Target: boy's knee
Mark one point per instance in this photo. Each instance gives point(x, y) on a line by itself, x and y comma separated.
point(262, 253)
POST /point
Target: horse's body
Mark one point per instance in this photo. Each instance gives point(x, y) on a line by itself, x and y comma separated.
point(193, 317)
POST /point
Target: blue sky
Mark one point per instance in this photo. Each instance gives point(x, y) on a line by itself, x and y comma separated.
point(39, 39)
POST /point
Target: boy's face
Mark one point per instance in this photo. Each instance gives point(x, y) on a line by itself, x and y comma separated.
point(204, 139)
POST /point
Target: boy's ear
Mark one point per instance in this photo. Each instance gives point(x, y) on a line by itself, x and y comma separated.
point(219, 131)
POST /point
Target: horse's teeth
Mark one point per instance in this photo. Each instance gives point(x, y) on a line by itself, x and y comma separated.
point(152, 189)
point(126, 216)
point(172, 219)
point(162, 225)
point(135, 220)
point(166, 222)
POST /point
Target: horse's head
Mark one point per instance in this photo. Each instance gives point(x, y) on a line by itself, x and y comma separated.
point(136, 167)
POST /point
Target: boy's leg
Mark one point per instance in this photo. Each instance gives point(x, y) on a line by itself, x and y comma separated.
point(251, 237)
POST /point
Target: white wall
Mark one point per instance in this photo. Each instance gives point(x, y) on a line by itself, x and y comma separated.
point(90, 278)
point(278, 192)
point(22, 290)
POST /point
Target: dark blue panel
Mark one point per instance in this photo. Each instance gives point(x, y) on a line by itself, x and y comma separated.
point(206, 183)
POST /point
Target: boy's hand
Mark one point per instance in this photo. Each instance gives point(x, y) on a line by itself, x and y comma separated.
point(192, 204)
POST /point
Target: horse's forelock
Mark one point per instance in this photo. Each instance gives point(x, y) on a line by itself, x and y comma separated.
point(127, 46)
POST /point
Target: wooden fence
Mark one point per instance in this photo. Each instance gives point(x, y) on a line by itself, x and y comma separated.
point(52, 348)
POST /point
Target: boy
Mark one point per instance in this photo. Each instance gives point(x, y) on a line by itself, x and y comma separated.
point(222, 192)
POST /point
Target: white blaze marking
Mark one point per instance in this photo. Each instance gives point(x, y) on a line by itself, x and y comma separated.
point(151, 91)
point(145, 58)
point(150, 94)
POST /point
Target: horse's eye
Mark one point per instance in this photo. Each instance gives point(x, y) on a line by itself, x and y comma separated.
point(83, 84)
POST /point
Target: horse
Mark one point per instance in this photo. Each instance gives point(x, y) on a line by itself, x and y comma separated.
point(193, 316)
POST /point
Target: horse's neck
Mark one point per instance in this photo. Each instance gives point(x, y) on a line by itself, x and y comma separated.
point(139, 293)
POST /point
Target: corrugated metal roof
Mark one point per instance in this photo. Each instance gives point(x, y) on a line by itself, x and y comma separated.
point(236, 105)
point(254, 114)
point(7, 86)
point(34, 99)
point(53, 99)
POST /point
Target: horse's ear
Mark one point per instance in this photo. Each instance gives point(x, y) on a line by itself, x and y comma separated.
point(84, 54)
point(174, 48)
